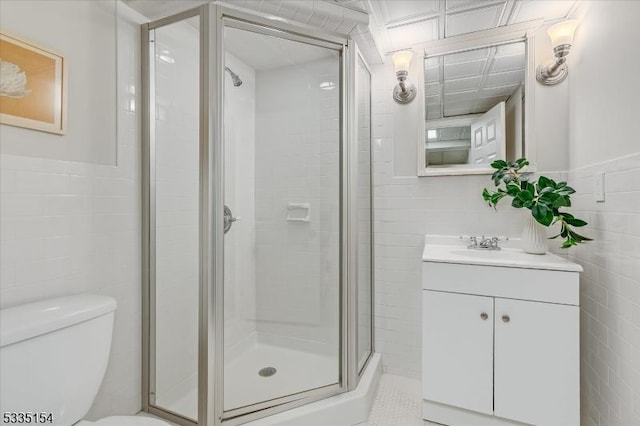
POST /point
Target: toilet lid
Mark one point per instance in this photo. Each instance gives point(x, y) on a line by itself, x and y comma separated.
point(128, 421)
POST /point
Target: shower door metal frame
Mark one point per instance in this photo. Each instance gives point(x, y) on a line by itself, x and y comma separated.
point(354, 56)
point(149, 207)
point(213, 18)
point(221, 17)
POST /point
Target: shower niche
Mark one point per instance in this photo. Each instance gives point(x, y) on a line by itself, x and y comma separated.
point(258, 237)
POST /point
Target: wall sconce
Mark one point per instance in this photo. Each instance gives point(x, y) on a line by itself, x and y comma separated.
point(404, 92)
point(556, 70)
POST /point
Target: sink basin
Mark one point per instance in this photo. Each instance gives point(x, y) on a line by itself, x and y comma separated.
point(509, 257)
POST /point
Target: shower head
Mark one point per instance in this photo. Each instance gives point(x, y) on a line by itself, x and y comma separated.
point(234, 77)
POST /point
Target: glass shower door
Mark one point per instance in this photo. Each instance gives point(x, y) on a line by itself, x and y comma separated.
point(364, 202)
point(282, 268)
point(260, 312)
point(173, 210)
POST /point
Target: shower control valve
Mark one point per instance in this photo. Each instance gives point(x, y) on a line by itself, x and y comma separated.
point(229, 219)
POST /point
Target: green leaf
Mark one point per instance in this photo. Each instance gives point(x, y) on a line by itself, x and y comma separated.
point(548, 199)
point(499, 164)
point(545, 183)
point(517, 203)
point(542, 214)
point(578, 237)
point(565, 192)
point(575, 222)
point(530, 188)
point(496, 197)
point(524, 196)
point(562, 201)
point(513, 189)
point(497, 177)
point(545, 190)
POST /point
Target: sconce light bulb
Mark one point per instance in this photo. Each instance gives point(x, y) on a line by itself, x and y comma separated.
point(402, 60)
point(562, 32)
point(561, 35)
point(404, 92)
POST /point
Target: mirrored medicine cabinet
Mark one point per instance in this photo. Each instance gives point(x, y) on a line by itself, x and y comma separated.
point(478, 103)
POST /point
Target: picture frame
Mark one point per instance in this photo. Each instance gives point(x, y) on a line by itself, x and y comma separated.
point(33, 86)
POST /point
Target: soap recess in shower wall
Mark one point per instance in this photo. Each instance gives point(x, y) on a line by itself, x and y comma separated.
point(298, 212)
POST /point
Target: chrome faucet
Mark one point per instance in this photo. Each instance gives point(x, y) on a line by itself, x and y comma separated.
point(473, 243)
point(485, 243)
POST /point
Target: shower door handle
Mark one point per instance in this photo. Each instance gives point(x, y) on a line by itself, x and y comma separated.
point(228, 219)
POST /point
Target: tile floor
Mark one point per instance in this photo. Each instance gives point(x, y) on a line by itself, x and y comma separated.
point(397, 403)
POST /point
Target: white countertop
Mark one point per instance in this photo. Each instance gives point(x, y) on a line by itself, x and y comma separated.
point(453, 249)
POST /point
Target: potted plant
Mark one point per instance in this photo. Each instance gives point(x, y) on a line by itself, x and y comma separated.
point(543, 197)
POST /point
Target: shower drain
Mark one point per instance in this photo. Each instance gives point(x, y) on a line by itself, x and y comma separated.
point(267, 372)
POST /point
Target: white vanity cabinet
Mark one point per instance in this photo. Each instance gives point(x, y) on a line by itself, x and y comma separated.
point(500, 342)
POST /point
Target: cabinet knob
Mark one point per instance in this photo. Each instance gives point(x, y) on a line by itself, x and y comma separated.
point(505, 318)
point(484, 316)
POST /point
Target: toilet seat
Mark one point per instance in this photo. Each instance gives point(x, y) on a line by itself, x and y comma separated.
point(124, 421)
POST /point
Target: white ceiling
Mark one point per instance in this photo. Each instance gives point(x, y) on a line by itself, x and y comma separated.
point(393, 24)
point(449, 134)
point(262, 52)
point(156, 9)
point(398, 24)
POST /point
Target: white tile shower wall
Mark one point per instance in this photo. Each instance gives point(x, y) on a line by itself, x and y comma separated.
point(407, 208)
point(70, 227)
point(610, 292)
point(297, 266)
point(240, 157)
point(177, 208)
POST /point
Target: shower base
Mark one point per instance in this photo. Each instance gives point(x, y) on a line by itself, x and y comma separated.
point(341, 410)
point(346, 409)
point(297, 370)
point(299, 366)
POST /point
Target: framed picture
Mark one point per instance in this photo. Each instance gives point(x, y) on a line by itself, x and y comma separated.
point(33, 86)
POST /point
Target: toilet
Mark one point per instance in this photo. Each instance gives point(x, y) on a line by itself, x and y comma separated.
point(53, 357)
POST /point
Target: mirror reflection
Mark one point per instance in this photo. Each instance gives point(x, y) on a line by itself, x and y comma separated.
point(474, 106)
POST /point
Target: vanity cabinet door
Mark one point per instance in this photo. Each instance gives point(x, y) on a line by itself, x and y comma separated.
point(537, 368)
point(457, 355)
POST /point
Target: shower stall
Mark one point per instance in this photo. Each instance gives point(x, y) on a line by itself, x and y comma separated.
point(257, 216)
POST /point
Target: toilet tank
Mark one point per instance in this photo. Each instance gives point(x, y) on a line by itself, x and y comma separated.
point(53, 355)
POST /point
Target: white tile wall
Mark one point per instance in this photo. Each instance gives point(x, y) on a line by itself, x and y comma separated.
point(603, 138)
point(297, 161)
point(240, 196)
point(610, 292)
point(70, 227)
